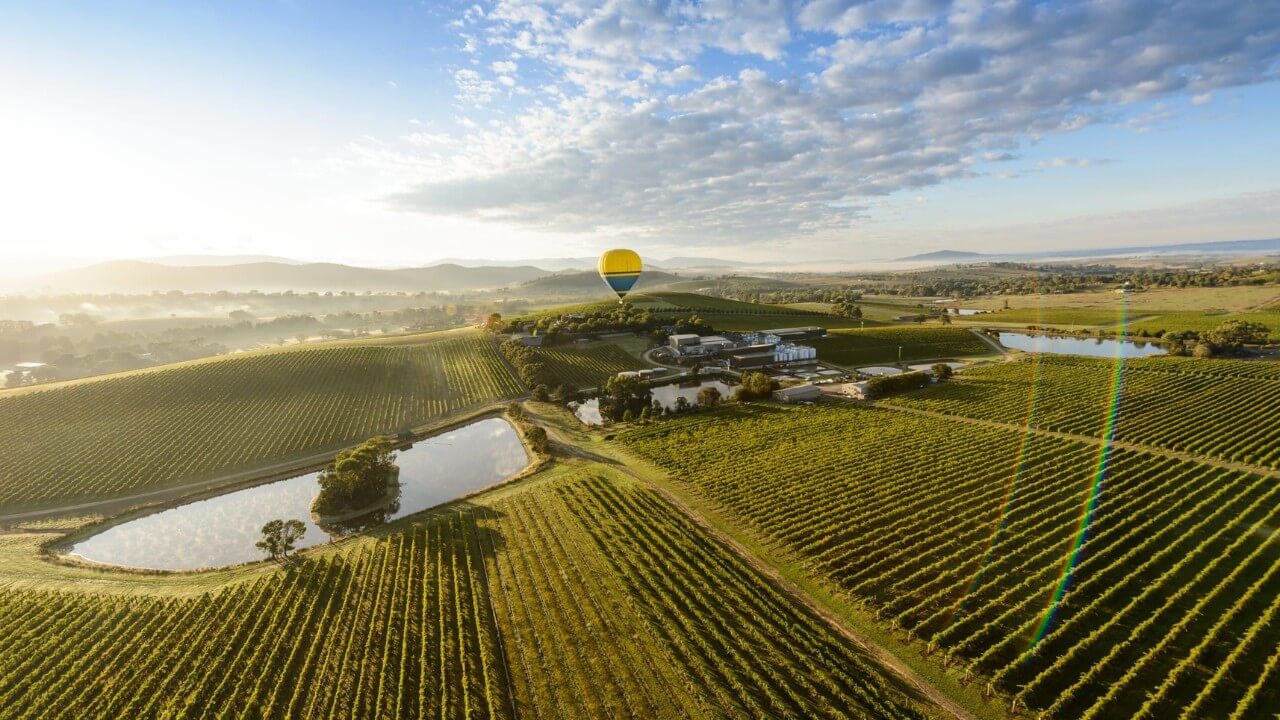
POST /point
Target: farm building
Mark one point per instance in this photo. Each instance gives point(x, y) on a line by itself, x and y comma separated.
point(792, 334)
point(855, 390)
point(528, 340)
point(645, 374)
point(798, 393)
point(751, 358)
point(683, 340)
point(715, 343)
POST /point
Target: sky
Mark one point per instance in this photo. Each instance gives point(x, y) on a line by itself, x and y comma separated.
point(393, 134)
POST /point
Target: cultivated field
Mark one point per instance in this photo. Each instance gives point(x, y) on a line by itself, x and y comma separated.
point(579, 596)
point(1088, 585)
point(146, 430)
point(875, 345)
point(588, 365)
point(1221, 409)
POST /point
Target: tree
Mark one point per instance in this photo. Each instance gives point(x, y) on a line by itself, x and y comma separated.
point(1232, 335)
point(537, 438)
point(559, 394)
point(682, 404)
point(622, 394)
point(942, 371)
point(945, 317)
point(708, 397)
point(755, 386)
point(356, 478)
point(280, 536)
point(541, 394)
point(493, 323)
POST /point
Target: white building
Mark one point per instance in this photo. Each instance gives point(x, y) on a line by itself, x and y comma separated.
point(683, 340)
point(798, 393)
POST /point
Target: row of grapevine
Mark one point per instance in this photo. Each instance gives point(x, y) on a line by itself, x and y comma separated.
point(578, 596)
point(957, 537)
point(146, 430)
point(1221, 409)
point(587, 366)
point(889, 344)
point(399, 628)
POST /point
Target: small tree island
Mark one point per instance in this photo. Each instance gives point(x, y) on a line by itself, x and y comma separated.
point(357, 478)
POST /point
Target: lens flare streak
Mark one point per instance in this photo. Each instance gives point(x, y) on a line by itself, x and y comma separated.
point(1094, 494)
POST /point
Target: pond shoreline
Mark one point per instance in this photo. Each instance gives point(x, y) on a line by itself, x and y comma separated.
point(59, 550)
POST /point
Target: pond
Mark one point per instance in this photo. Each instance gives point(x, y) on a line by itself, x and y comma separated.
point(222, 530)
point(1092, 347)
point(588, 411)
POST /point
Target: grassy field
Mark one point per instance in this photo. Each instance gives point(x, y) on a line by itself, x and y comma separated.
point(585, 366)
point(1116, 319)
point(879, 345)
point(147, 430)
point(1190, 299)
point(1170, 600)
point(577, 595)
point(1222, 409)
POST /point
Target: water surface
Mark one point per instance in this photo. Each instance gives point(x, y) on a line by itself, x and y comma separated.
point(588, 411)
point(222, 530)
point(1092, 347)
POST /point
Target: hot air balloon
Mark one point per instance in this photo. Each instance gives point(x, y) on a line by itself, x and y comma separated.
point(620, 269)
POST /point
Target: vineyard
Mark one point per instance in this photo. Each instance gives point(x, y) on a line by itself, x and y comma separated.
point(151, 429)
point(587, 366)
point(604, 602)
point(1220, 409)
point(1165, 606)
point(877, 345)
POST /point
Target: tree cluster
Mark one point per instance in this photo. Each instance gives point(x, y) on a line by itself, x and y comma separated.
point(357, 477)
point(755, 386)
point(887, 385)
point(625, 399)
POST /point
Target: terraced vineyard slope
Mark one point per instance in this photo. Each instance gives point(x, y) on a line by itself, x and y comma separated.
point(1081, 583)
point(152, 429)
point(1221, 409)
point(878, 345)
point(581, 596)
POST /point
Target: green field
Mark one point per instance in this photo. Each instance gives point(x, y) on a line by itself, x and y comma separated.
point(586, 366)
point(1171, 602)
point(1222, 409)
point(1151, 321)
point(151, 429)
point(880, 345)
point(580, 596)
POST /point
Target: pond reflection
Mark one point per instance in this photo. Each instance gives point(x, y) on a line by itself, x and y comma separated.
point(222, 530)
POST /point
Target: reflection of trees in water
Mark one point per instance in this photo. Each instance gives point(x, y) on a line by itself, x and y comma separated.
point(380, 515)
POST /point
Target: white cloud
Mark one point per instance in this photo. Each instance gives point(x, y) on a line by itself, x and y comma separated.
point(504, 67)
point(632, 130)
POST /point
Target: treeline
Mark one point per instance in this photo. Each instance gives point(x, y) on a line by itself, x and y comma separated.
point(1003, 278)
point(80, 345)
point(554, 329)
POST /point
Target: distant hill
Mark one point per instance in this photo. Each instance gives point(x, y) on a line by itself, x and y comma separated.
point(587, 263)
point(132, 276)
point(213, 260)
point(942, 256)
point(586, 283)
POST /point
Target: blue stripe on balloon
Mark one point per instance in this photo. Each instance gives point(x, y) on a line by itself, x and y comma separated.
point(621, 283)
